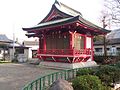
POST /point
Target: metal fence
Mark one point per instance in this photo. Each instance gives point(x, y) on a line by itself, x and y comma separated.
point(43, 83)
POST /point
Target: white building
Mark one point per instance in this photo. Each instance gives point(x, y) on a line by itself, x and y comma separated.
point(20, 50)
point(8, 50)
point(4, 43)
point(33, 47)
point(113, 44)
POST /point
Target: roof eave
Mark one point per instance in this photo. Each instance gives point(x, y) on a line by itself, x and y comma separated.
point(72, 19)
point(93, 26)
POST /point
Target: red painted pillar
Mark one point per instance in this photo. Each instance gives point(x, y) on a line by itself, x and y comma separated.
point(70, 45)
point(39, 45)
point(44, 43)
point(71, 42)
point(92, 47)
point(72, 36)
point(85, 42)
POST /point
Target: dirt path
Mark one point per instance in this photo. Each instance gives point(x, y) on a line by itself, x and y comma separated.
point(15, 76)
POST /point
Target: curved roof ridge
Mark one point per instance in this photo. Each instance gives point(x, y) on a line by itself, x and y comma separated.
point(62, 10)
point(68, 10)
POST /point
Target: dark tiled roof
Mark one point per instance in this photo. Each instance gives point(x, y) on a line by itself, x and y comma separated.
point(108, 41)
point(68, 15)
point(65, 21)
point(98, 42)
point(62, 10)
point(4, 38)
point(53, 23)
point(66, 9)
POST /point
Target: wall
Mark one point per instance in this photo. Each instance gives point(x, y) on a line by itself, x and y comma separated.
point(89, 45)
point(26, 53)
point(88, 42)
point(113, 49)
point(32, 48)
point(33, 45)
point(79, 41)
point(57, 41)
point(11, 53)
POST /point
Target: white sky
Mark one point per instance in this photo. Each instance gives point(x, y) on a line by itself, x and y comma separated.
point(15, 14)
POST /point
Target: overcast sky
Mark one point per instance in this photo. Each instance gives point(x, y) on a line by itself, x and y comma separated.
point(15, 14)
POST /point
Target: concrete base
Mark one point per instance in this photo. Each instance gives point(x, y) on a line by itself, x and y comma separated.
point(69, 65)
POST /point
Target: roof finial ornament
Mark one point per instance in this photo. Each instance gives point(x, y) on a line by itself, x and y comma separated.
point(57, 2)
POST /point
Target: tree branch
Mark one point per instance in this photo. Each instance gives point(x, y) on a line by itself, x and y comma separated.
point(113, 9)
point(118, 1)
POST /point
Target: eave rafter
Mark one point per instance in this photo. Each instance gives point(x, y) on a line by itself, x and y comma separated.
point(91, 29)
point(57, 27)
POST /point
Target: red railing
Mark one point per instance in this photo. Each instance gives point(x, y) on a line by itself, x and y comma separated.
point(65, 51)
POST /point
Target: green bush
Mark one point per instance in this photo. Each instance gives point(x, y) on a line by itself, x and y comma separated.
point(88, 82)
point(117, 64)
point(108, 74)
point(85, 71)
point(98, 59)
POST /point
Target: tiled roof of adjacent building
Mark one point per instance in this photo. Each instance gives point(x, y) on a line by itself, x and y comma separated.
point(108, 42)
point(114, 34)
point(4, 38)
point(111, 38)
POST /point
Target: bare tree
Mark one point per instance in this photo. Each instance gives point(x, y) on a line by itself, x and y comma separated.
point(105, 21)
point(112, 8)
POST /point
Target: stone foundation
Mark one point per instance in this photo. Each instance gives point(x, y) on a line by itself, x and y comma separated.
point(68, 65)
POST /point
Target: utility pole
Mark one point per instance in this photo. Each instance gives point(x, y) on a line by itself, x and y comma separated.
point(104, 39)
point(13, 46)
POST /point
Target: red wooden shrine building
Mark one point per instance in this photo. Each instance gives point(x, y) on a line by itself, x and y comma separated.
point(65, 36)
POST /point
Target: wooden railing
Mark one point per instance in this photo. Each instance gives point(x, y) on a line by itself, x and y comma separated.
point(65, 51)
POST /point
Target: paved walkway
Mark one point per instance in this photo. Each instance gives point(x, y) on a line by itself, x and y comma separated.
point(15, 76)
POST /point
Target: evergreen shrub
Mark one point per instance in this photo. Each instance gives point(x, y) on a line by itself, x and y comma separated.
point(108, 74)
point(85, 71)
point(88, 82)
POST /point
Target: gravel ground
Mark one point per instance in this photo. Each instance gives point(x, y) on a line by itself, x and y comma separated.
point(15, 76)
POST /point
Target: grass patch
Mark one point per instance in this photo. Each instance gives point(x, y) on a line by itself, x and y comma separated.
point(2, 62)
